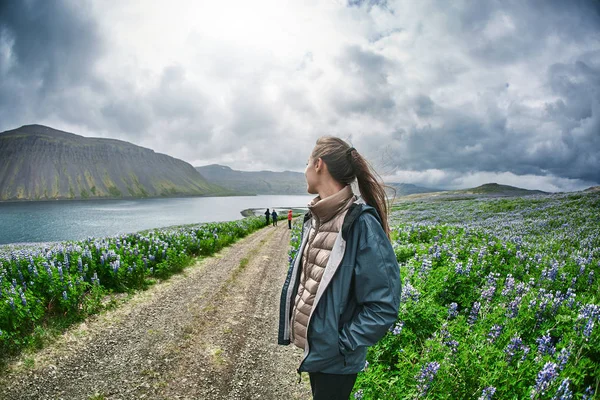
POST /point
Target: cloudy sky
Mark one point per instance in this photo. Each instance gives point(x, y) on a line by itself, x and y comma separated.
point(448, 94)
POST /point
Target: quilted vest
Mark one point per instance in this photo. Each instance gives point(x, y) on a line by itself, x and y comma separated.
point(327, 219)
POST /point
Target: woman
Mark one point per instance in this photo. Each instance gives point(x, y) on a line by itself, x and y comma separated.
point(290, 216)
point(342, 291)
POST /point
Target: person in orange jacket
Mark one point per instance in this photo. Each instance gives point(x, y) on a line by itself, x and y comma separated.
point(290, 219)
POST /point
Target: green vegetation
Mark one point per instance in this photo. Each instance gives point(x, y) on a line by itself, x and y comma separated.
point(46, 289)
point(500, 300)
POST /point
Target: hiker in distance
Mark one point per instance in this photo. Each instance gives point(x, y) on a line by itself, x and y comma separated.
point(290, 219)
point(267, 216)
point(342, 291)
point(274, 215)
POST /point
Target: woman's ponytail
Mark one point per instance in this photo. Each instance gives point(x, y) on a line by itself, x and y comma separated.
point(370, 186)
point(345, 164)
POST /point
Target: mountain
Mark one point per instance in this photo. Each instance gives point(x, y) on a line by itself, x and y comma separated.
point(405, 189)
point(593, 189)
point(255, 182)
point(499, 190)
point(41, 163)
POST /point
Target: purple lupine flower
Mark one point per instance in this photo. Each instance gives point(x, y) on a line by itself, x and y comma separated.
point(588, 394)
point(366, 366)
point(409, 292)
point(551, 273)
point(453, 345)
point(11, 302)
point(545, 378)
point(23, 299)
point(590, 278)
point(64, 295)
point(474, 312)
point(358, 395)
point(563, 392)
point(488, 292)
point(509, 285)
point(487, 393)
point(513, 307)
point(452, 310)
point(591, 312)
point(425, 377)
point(525, 352)
point(425, 267)
point(563, 358)
point(397, 328)
point(495, 331)
point(545, 345)
point(513, 346)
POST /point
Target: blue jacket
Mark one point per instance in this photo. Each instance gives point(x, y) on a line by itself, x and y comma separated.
point(357, 300)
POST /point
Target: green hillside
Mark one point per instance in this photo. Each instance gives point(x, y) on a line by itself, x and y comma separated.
point(41, 163)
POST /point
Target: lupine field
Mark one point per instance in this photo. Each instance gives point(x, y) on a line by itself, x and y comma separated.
point(42, 284)
point(500, 300)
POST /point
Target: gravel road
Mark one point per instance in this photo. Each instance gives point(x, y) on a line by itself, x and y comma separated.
point(209, 333)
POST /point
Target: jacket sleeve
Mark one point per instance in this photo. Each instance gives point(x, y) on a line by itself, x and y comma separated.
point(376, 289)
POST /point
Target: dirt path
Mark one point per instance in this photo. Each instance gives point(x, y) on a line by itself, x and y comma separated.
point(209, 333)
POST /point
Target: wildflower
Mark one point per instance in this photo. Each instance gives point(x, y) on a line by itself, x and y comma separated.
point(545, 345)
point(452, 310)
point(563, 357)
point(563, 392)
point(509, 285)
point(525, 352)
point(425, 377)
point(588, 394)
point(409, 292)
point(487, 393)
point(513, 307)
point(495, 331)
point(396, 329)
point(513, 346)
point(358, 395)
point(474, 312)
point(545, 378)
point(366, 365)
point(453, 345)
point(64, 295)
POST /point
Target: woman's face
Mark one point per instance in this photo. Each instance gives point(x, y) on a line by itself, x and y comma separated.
point(312, 177)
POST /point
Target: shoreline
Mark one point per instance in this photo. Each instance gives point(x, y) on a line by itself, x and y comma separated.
point(248, 212)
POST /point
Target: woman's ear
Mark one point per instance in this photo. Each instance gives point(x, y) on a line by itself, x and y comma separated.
point(318, 164)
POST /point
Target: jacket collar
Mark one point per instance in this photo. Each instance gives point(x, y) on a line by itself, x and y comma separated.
point(327, 208)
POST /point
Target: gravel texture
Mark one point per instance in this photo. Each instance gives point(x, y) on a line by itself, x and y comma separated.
point(209, 333)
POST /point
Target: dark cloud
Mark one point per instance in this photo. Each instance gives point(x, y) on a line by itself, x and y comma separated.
point(467, 142)
point(49, 46)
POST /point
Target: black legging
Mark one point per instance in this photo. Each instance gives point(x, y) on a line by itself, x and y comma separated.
point(330, 386)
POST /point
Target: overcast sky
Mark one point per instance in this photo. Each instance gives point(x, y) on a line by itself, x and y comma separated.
point(447, 94)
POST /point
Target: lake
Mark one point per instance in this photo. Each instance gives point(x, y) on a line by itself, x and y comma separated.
point(51, 221)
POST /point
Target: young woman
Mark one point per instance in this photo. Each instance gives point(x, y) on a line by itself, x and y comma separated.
point(342, 291)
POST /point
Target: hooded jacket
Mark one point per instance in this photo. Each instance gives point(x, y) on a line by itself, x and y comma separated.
point(357, 299)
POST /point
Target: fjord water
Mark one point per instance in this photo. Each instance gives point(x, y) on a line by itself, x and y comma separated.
point(50, 221)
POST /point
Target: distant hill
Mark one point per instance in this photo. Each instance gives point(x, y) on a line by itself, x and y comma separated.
point(593, 189)
point(255, 182)
point(497, 189)
point(405, 189)
point(486, 190)
point(41, 163)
